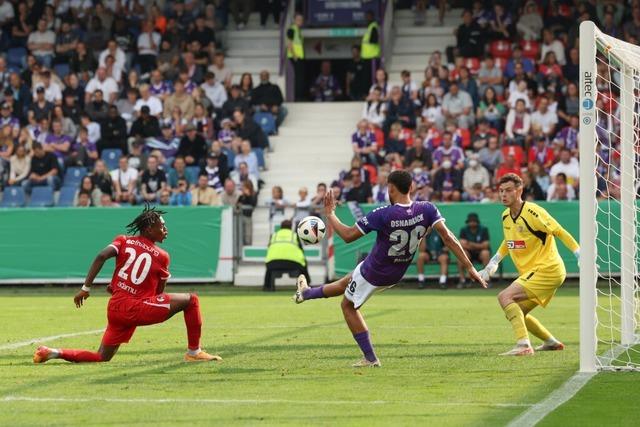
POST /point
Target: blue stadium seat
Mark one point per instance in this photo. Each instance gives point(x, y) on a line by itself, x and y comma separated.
point(41, 197)
point(111, 157)
point(192, 173)
point(73, 176)
point(266, 122)
point(17, 57)
point(67, 194)
point(61, 70)
point(13, 197)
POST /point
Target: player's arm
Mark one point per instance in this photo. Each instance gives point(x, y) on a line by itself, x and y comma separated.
point(450, 241)
point(348, 234)
point(491, 268)
point(108, 252)
point(161, 286)
point(549, 224)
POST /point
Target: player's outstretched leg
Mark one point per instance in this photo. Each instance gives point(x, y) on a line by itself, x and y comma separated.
point(358, 328)
point(508, 300)
point(189, 304)
point(550, 343)
point(305, 292)
point(104, 354)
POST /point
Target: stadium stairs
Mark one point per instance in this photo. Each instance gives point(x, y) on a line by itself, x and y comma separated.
point(413, 45)
point(312, 146)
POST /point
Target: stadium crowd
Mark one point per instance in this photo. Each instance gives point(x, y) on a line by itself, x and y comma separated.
point(503, 99)
point(115, 103)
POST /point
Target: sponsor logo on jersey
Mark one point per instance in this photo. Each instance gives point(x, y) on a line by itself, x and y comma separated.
point(407, 222)
point(516, 244)
point(127, 288)
point(148, 248)
point(160, 299)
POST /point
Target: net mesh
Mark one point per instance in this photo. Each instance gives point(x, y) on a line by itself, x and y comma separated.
point(617, 138)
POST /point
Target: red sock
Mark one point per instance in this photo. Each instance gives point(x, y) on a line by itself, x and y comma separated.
point(80, 355)
point(193, 320)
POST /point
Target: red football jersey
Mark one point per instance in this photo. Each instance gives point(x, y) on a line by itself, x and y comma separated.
point(140, 267)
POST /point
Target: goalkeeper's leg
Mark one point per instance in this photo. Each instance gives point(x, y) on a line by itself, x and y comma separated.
point(537, 329)
point(508, 300)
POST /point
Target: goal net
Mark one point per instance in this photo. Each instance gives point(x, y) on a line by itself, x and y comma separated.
point(609, 165)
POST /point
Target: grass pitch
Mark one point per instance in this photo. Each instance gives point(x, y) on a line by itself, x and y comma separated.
point(290, 365)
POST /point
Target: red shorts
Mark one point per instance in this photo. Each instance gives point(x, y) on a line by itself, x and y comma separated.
point(125, 314)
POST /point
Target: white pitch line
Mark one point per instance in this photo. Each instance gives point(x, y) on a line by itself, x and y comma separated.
point(6, 399)
point(13, 346)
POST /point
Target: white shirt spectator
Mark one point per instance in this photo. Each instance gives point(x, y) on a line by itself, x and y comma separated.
point(6, 12)
point(47, 36)
point(556, 47)
point(570, 169)
point(546, 121)
point(374, 112)
point(571, 193)
point(93, 132)
point(433, 114)
point(511, 120)
point(52, 93)
point(223, 74)
point(144, 43)
point(119, 56)
point(125, 178)
point(216, 93)
point(456, 104)
point(107, 86)
point(516, 93)
point(154, 104)
point(250, 159)
point(235, 176)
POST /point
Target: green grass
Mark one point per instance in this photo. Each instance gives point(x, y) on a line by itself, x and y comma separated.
point(288, 364)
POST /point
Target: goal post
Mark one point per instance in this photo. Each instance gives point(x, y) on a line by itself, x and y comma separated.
point(609, 164)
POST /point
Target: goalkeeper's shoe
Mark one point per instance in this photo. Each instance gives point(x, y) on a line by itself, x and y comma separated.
point(202, 356)
point(551, 347)
point(42, 354)
point(364, 363)
point(298, 297)
point(519, 350)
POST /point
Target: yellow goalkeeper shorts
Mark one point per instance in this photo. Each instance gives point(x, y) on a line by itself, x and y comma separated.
point(541, 283)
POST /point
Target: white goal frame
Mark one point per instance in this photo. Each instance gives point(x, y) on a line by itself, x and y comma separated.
point(589, 34)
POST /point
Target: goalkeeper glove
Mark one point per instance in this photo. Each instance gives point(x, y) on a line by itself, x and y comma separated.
point(491, 268)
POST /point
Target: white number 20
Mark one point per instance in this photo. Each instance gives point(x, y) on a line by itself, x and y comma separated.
point(401, 238)
point(137, 276)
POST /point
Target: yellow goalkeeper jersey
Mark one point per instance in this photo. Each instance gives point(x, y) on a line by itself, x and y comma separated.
point(529, 239)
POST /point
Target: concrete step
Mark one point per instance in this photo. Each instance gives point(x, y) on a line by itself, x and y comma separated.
point(258, 42)
point(425, 31)
point(265, 62)
point(422, 44)
point(253, 275)
point(432, 21)
point(410, 61)
point(253, 34)
point(432, 12)
point(253, 52)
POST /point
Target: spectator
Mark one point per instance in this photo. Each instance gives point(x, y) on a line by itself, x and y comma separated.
point(19, 166)
point(125, 180)
point(116, 52)
point(509, 166)
point(394, 145)
point(102, 82)
point(317, 201)
point(568, 165)
point(545, 118)
point(249, 130)
point(500, 24)
point(242, 174)
point(418, 154)
point(432, 249)
point(550, 73)
point(246, 204)
point(223, 73)
point(180, 99)
point(212, 171)
point(469, 39)
point(102, 179)
point(203, 194)
point(273, 6)
point(83, 200)
point(560, 189)
point(52, 91)
point(107, 202)
point(457, 105)
point(475, 174)
point(267, 97)
point(302, 207)
point(432, 112)
point(158, 87)
point(82, 152)
point(277, 204)
point(569, 136)
point(146, 98)
point(468, 84)
point(153, 181)
point(551, 44)
point(247, 156)
point(145, 126)
point(214, 91)
point(97, 109)
point(491, 110)
point(148, 47)
point(360, 191)
point(56, 142)
point(409, 88)
point(326, 87)
point(41, 44)
point(518, 64)
point(230, 194)
point(380, 192)
point(447, 182)
point(41, 108)
point(363, 142)
point(113, 131)
point(381, 82)
point(358, 77)
point(400, 110)
point(374, 110)
point(541, 152)
point(181, 196)
point(490, 76)
point(284, 253)
point(530, 23)
point(44, 170)
point(234, 102)
point(87, 186)
point(518, 124)
point(532, 190)
point(474, 239)
point(295, 55)
point(246, 87)
point(448, 151)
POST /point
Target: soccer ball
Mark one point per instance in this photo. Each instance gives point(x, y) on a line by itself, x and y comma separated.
point(311, 230)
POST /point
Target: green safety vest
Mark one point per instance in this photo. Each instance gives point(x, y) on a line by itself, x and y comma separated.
point(297, 42)
point(370, 50)
point(284, 246)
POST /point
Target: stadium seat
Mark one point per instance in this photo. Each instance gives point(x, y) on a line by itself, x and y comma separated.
point(500, 49)
point(266, 122)
point(16, 57)
point(530, 49)
point(473, 64)
point(192, 173)
point(13, 197)
point(73, 176)
point(61, 70)
point(41, 197)
point(66, 196)
point(111, 157)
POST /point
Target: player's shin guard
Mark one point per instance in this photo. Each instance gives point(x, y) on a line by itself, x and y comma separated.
point(364, 342)
point(193, 321)
point(515, 315)
point(536, 328)
point(77, 356)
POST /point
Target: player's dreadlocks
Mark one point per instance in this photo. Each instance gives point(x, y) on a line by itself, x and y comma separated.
point(149, 216)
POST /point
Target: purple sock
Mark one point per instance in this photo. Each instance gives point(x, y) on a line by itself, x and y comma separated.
point(313, 293)
point(365, 345)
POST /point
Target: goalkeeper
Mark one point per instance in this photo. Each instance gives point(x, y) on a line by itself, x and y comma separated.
point(529, 233)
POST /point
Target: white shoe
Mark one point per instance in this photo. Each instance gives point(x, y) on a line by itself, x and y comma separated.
point(551, 347)
point(519, 350)
point(302, 286)
point(364, 363)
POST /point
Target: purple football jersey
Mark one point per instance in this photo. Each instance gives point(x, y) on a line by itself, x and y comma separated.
point(400, 229)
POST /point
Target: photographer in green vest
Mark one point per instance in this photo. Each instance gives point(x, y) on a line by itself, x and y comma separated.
point(284, 254)
point(370, 47)
point(295, 55)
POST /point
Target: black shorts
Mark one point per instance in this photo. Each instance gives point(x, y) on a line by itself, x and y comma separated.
point(474, 256)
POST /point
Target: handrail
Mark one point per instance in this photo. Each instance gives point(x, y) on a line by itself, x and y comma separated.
point(285, 21)
point(386, 32)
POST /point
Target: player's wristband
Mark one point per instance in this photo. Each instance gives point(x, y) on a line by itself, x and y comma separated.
point(86, 288)
point(577, 254)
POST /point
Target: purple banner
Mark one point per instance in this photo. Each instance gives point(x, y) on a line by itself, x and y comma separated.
point(340, 13)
